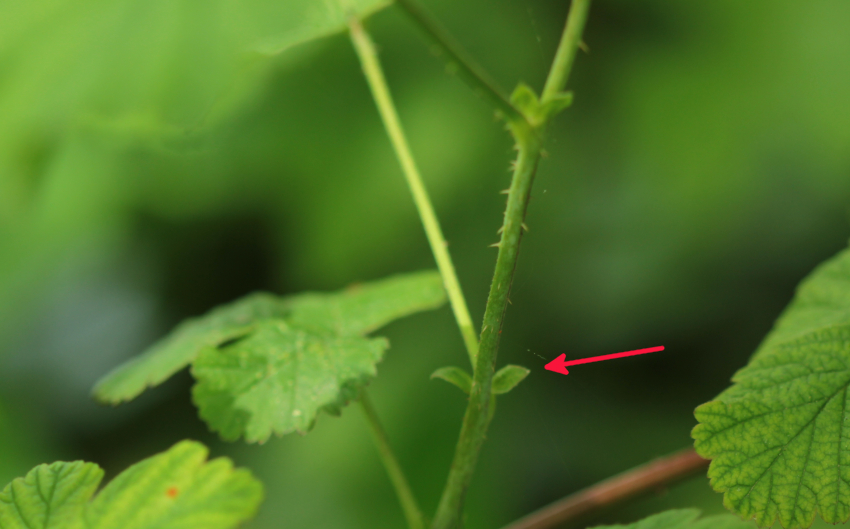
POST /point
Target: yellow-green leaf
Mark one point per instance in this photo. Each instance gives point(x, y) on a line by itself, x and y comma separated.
point(778, 438)
point(177, 489)
point(684, 519)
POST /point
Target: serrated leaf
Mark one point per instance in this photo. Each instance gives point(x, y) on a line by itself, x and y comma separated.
point(266, 364)
point(507, 378)
point(778, 438)
point(279, 378)
point(50, 497)
point(684, 519)
point(176, 489)
point(352, 311)
point(822, 299)
point(455, 376)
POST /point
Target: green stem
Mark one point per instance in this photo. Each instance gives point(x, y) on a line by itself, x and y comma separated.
point(380, 92)
point(565, 56)
point(467, 69)
point(476, 418)
point(415, 520)
point(529, 145)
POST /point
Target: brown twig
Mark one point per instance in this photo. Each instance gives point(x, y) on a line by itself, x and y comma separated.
point(662, 471)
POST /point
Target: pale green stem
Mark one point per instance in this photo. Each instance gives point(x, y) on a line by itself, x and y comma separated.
point(476, 419)
point(565, 56)
point(380, 92)
point(412, 513)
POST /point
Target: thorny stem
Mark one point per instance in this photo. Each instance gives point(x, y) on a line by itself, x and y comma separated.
point(412, 513)
point(380, 92)
point(476, 421)
point(645, 478)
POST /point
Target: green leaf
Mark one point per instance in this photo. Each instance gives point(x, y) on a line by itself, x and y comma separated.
point(361, 309)
point(268, 364)
point(353, 311)
point(177, 489)
point(822, 299)
point(456, 376)
point(50, 496)
point(684, 519)
point(179, 349)
point(279, 378)
point(778, 438)
point(507, 378)
point(524, 98)
point(146, 62)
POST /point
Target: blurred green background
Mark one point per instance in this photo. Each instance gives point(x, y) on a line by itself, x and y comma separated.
point(701, 173)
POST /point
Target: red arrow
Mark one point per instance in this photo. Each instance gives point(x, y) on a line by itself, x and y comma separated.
point(559, 365)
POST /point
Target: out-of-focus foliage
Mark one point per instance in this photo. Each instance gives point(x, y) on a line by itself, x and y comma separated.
point(700, 173)
point(351, 313)
point(684, 519)
point(269, 364)
point(175, 489)
point(455, 376)
point(777, 437)
point(507, 378)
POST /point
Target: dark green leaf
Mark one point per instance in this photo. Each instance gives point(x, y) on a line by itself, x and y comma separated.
point(177, 489)
point(456, 376)
point(778, 437)
point(684, 519)
point(507, 378)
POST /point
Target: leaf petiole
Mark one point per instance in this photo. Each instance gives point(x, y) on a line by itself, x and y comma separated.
point(383, 99)
point(415, 519)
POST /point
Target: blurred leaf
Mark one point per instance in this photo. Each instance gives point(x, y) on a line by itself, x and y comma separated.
point(267, 364)
point(279, 378)
point(456, 376)
point(50, 496)
point(777, 437)
point(525, 99)
point(179, 349)
point(508, 377)
point(363, 308)
point(684, 519)
point(146, 62)
point(175, 489)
